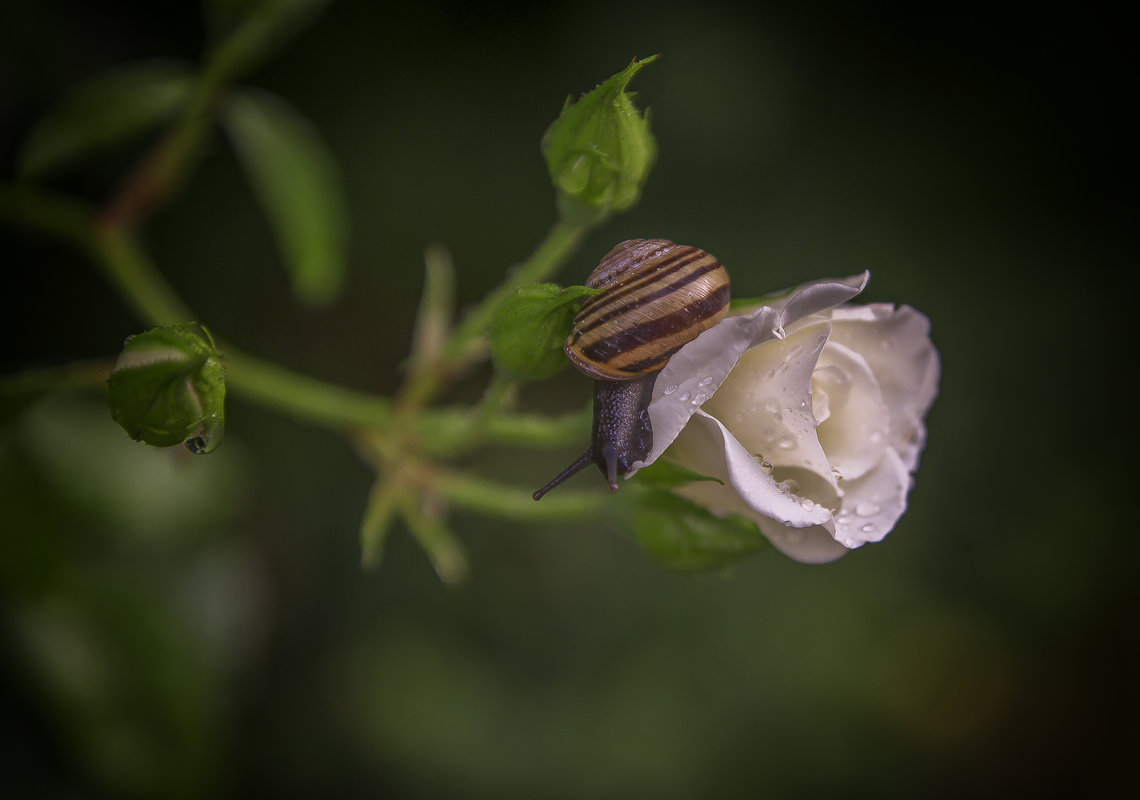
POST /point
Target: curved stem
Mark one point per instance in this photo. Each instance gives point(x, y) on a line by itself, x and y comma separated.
point(559, 244)
point(303, 396)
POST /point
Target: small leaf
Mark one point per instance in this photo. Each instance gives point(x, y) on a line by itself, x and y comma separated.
point(255, 30)
point(379, 513)
point(299, 187)
point(600, 150)
point(689, 538)
point(168, 388)
point(664, 474)
point(529, 330)
point(111, 109)
point(437, 305)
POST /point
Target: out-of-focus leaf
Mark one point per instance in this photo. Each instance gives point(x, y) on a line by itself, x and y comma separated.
point(664, 474)
point(528, 331)
point(168, 388)
point(298, 184)
point(687, 537)
point(109, 110)
point(258, 28)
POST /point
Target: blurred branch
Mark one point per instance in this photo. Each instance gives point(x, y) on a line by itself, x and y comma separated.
point(77, 375)
point(162, 171)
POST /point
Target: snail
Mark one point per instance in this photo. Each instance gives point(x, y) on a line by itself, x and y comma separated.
point(657, 296)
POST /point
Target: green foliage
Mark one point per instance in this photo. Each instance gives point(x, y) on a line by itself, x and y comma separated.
point(298, 184)
point(600, 150)
point(665, 474)
point(168, 388)
point(112, 109)
point(528, 332)
point(687, 537)
point(255, 30)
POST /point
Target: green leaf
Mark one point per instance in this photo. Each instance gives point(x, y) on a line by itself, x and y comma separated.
point(530, 328)
point(600, 150)
point(111, 109)
point(689, 538)
point(253, 31)
point(298, 184)
point(168, 388)
point(662, 474)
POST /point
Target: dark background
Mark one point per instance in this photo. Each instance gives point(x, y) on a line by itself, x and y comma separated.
point(201, 626)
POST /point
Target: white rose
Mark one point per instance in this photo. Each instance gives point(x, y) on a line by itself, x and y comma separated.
point(809, 411)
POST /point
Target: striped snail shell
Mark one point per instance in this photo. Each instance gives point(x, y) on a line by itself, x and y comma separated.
point(657, 296)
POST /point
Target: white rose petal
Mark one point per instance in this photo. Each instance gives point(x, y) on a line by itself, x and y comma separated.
point(748, 486)
point(857, 427)
point(697, 370)
point(895, 341)
point(811, 414)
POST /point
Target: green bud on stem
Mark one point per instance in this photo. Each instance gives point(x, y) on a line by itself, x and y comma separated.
point(600, 150)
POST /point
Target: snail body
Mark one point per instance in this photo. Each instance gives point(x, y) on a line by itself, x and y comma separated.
point(657, 296)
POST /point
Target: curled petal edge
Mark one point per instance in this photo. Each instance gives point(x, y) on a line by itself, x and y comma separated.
point(697, 370)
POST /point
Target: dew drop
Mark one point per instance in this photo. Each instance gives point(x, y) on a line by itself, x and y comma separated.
point(868, 528)
point(867, 509)
point(766, 466)
point(807, 505)
point(700, 398)
point(785, 443)
point(684, 398)
point(705, 382)
point(670, 389)
point(782, 487)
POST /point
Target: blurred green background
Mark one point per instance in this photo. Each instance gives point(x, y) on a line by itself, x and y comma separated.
point(200, 626)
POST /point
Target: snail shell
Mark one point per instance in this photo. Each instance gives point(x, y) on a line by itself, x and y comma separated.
point(658, 296)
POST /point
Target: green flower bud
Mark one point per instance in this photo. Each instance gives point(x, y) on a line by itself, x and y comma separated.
point(599, 151)
point(168, 388)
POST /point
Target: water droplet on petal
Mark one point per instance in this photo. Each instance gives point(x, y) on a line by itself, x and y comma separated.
point(684, 398)
point(670, 389)
point(705, 382)
point(868, 528)
point(807, 505)
point(785, 443)
point(865, 508)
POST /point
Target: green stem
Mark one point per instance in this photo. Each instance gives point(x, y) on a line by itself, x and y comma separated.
point(124, 264)
point(559, 244)
point(76, 375)
point(129, 269)
point(302, 396)
point(497, 500)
